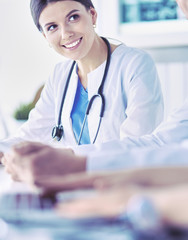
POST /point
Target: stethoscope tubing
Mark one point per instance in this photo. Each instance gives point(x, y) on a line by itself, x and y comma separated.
point(65, 91)
point(58, 130)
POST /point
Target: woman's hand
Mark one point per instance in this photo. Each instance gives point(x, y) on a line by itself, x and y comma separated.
point(170, 203)
point(148, 177)
point(31, 161)
point(108, 203)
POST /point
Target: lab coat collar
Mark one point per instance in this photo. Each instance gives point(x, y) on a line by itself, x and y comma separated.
point(94, 82)
point(68, 105)
point(95, 79)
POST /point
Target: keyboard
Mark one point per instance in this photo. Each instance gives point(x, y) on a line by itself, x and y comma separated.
point(32, 210)
point(26, 207)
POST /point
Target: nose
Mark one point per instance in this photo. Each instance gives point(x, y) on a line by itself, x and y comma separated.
point(66, 32)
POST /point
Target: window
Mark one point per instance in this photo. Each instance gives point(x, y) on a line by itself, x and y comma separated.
point(147, 10)
point(152, 23)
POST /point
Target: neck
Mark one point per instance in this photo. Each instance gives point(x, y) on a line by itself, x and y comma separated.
point(97, 55)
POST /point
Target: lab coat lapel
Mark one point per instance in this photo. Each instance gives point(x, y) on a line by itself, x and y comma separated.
point(69, 101)
point(94, 81)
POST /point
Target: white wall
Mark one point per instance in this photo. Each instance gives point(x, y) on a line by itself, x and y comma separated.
point(26, 60)
point(25, 57)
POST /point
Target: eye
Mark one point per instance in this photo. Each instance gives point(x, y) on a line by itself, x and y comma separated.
point(52, 27)
point(74, 17)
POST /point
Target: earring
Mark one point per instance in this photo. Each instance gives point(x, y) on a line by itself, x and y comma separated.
point(94, 25)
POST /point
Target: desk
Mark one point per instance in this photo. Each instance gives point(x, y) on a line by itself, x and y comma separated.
point(50, 227)
point(37, 224)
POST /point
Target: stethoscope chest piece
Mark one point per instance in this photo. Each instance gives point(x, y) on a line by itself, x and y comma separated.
point(57, 132)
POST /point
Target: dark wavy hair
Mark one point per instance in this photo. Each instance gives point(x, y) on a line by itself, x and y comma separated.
point(37, 7)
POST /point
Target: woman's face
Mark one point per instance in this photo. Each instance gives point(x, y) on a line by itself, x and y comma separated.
point(68, 27)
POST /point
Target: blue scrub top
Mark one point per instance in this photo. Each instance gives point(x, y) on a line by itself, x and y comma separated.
point(78, 114)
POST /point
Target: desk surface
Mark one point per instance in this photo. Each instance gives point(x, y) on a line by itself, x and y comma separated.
point(47, 225)
point(37, 224)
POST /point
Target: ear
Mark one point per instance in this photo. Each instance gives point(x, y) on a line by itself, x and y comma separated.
point(93, 13)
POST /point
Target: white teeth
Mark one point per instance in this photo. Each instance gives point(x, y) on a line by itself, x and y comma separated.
point(72, 44)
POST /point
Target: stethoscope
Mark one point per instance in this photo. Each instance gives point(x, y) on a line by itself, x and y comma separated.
point(57, 131)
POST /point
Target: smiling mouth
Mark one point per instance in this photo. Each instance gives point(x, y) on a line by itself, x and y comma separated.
point(72, 45)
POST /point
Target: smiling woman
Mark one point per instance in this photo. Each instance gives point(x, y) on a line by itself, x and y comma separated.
point(101, 92)
point(77, 27)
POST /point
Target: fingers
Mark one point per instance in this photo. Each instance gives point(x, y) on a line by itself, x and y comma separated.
point(12, 173)
point(99, 204)
point(18, 163)
point(61, 183)
point(27, 147)
point(7, 158)
point(56, 183)
point(78, 209)
point(16, 166)
point(8, 161)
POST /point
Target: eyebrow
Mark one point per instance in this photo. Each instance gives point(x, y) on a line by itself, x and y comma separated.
point(71, 12)
point(68, 15)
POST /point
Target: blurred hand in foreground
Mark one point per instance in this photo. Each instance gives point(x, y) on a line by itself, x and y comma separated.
point(29, 161)
point(170, 203)
point(147, 177)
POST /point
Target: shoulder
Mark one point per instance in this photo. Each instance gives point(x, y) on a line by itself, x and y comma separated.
point(130, 54)
point(60, 70)
point(62, 66)
point(59, 73)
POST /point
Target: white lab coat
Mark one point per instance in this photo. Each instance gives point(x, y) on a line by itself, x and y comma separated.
point(167, 145)
point(134, 103)
point(138, 157)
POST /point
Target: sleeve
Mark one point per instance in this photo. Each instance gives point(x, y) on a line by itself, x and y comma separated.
point(144, 110)
point(173, 130)
point(124, 158)
point(138, 151)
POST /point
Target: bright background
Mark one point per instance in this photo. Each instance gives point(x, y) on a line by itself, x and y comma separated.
point(26, 60)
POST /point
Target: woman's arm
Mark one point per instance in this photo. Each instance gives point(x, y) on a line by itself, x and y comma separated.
point(144, 96)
